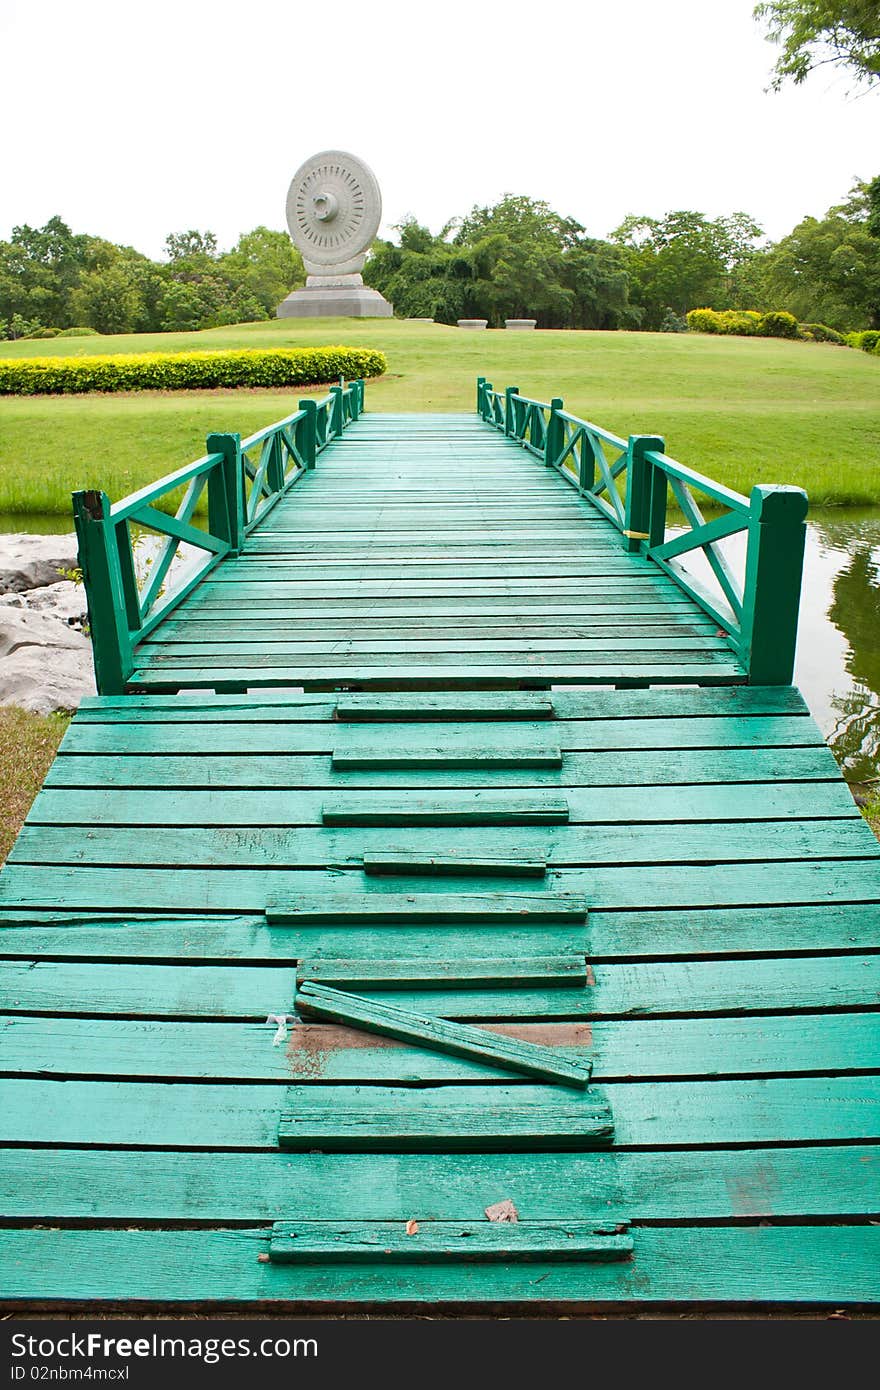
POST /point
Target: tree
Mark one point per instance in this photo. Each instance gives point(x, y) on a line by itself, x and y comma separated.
point(191, 245)
point(828, 270)
point(686, 261)
point(39, 266)
point(265, 265)
point(813, 33)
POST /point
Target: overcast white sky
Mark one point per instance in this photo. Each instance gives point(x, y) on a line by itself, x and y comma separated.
point(131, 121)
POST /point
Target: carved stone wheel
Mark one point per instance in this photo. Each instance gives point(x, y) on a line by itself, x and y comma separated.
point(333, 212)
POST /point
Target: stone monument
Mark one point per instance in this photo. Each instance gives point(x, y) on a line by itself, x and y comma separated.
point(333, 212)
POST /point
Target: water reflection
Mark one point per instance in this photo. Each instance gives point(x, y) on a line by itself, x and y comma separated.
point(843, 578)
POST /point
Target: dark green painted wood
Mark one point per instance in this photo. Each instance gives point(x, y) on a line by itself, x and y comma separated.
point(460, 1040)
point(445, 1118)
point(320, 1242)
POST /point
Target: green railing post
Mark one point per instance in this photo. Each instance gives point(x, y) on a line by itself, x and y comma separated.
point(362, 395)
point(226, 491)
point(99, 562)
point(354, 400)
point(639, 489)
point(488, 414)
point(481, 408)
point(337, 415)
point(307, 432)
point(554, 434)
point(772, 590)
point(509, 409)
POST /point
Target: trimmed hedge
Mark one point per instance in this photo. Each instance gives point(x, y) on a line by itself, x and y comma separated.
point(187, 371)
point(868, 340)
point(821, 333)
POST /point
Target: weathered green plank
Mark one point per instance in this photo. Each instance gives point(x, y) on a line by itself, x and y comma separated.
point(387, 1118)
point(681, 1185)
point(793, 801)
point(619, 1051)
point(248, 890)
point(783, 1265)
point(613, 990)
point(357, 708)
point(454, 864)
point(443, 756)
point(476, 808)
point(149, 1115)
point(334, 908)
point(611, 768)
point(365, 1242)
point(455, 850)
point(204, 937)
point(385, 1017)
point(424, 741)
point(423, 972)
point(181, 990)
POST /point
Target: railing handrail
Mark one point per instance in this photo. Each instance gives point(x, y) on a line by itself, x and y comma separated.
point(758, 615)
point(122, 611)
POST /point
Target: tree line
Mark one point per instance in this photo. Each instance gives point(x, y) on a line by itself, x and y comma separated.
point(516, 259)
point(52, 279)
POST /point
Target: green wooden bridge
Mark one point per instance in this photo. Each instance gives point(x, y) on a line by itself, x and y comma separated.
point(448, 900)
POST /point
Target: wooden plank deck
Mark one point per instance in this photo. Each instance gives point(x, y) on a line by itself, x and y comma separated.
point(432, 550)
point(698, 928)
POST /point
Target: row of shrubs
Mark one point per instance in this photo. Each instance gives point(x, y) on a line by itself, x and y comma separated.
point(187, 371)
point(777, 324)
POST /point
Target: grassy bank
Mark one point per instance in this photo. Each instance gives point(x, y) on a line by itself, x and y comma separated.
point(27, 746)
point(743, 410)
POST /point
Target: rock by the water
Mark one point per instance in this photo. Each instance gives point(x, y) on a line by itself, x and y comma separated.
point(45, 658)
point(29, 562)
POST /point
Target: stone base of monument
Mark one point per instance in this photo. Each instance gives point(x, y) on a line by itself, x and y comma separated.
point(473, 323)
point(520, 325)
point(335, 296)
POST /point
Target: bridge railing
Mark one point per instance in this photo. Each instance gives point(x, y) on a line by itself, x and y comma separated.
point(631, 481)
point(129, 593)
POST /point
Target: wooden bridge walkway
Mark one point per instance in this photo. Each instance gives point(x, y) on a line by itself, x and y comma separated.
point(607, 955)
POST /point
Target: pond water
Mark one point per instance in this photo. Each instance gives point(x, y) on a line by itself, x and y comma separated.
point(838, 662)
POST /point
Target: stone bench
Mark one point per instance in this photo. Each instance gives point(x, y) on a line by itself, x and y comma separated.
point(520, 325)
point(473, 323)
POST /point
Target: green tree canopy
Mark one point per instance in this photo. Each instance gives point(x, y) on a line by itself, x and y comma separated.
point(812, 33)
point(685, 261)
point(827, 270)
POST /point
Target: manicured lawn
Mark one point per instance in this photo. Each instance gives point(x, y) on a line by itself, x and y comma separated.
point(742, 410)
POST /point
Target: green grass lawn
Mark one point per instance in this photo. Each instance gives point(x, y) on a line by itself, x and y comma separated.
point(742, 410)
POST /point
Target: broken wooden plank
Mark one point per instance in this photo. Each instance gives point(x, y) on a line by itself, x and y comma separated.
point(435, 1242)
point(459, 1039)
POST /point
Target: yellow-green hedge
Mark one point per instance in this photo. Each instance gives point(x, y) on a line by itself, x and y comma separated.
point(187, 371)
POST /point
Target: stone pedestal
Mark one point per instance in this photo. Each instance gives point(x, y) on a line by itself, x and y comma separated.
point(336, 296)
point(520, 325)
point(473, 323)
